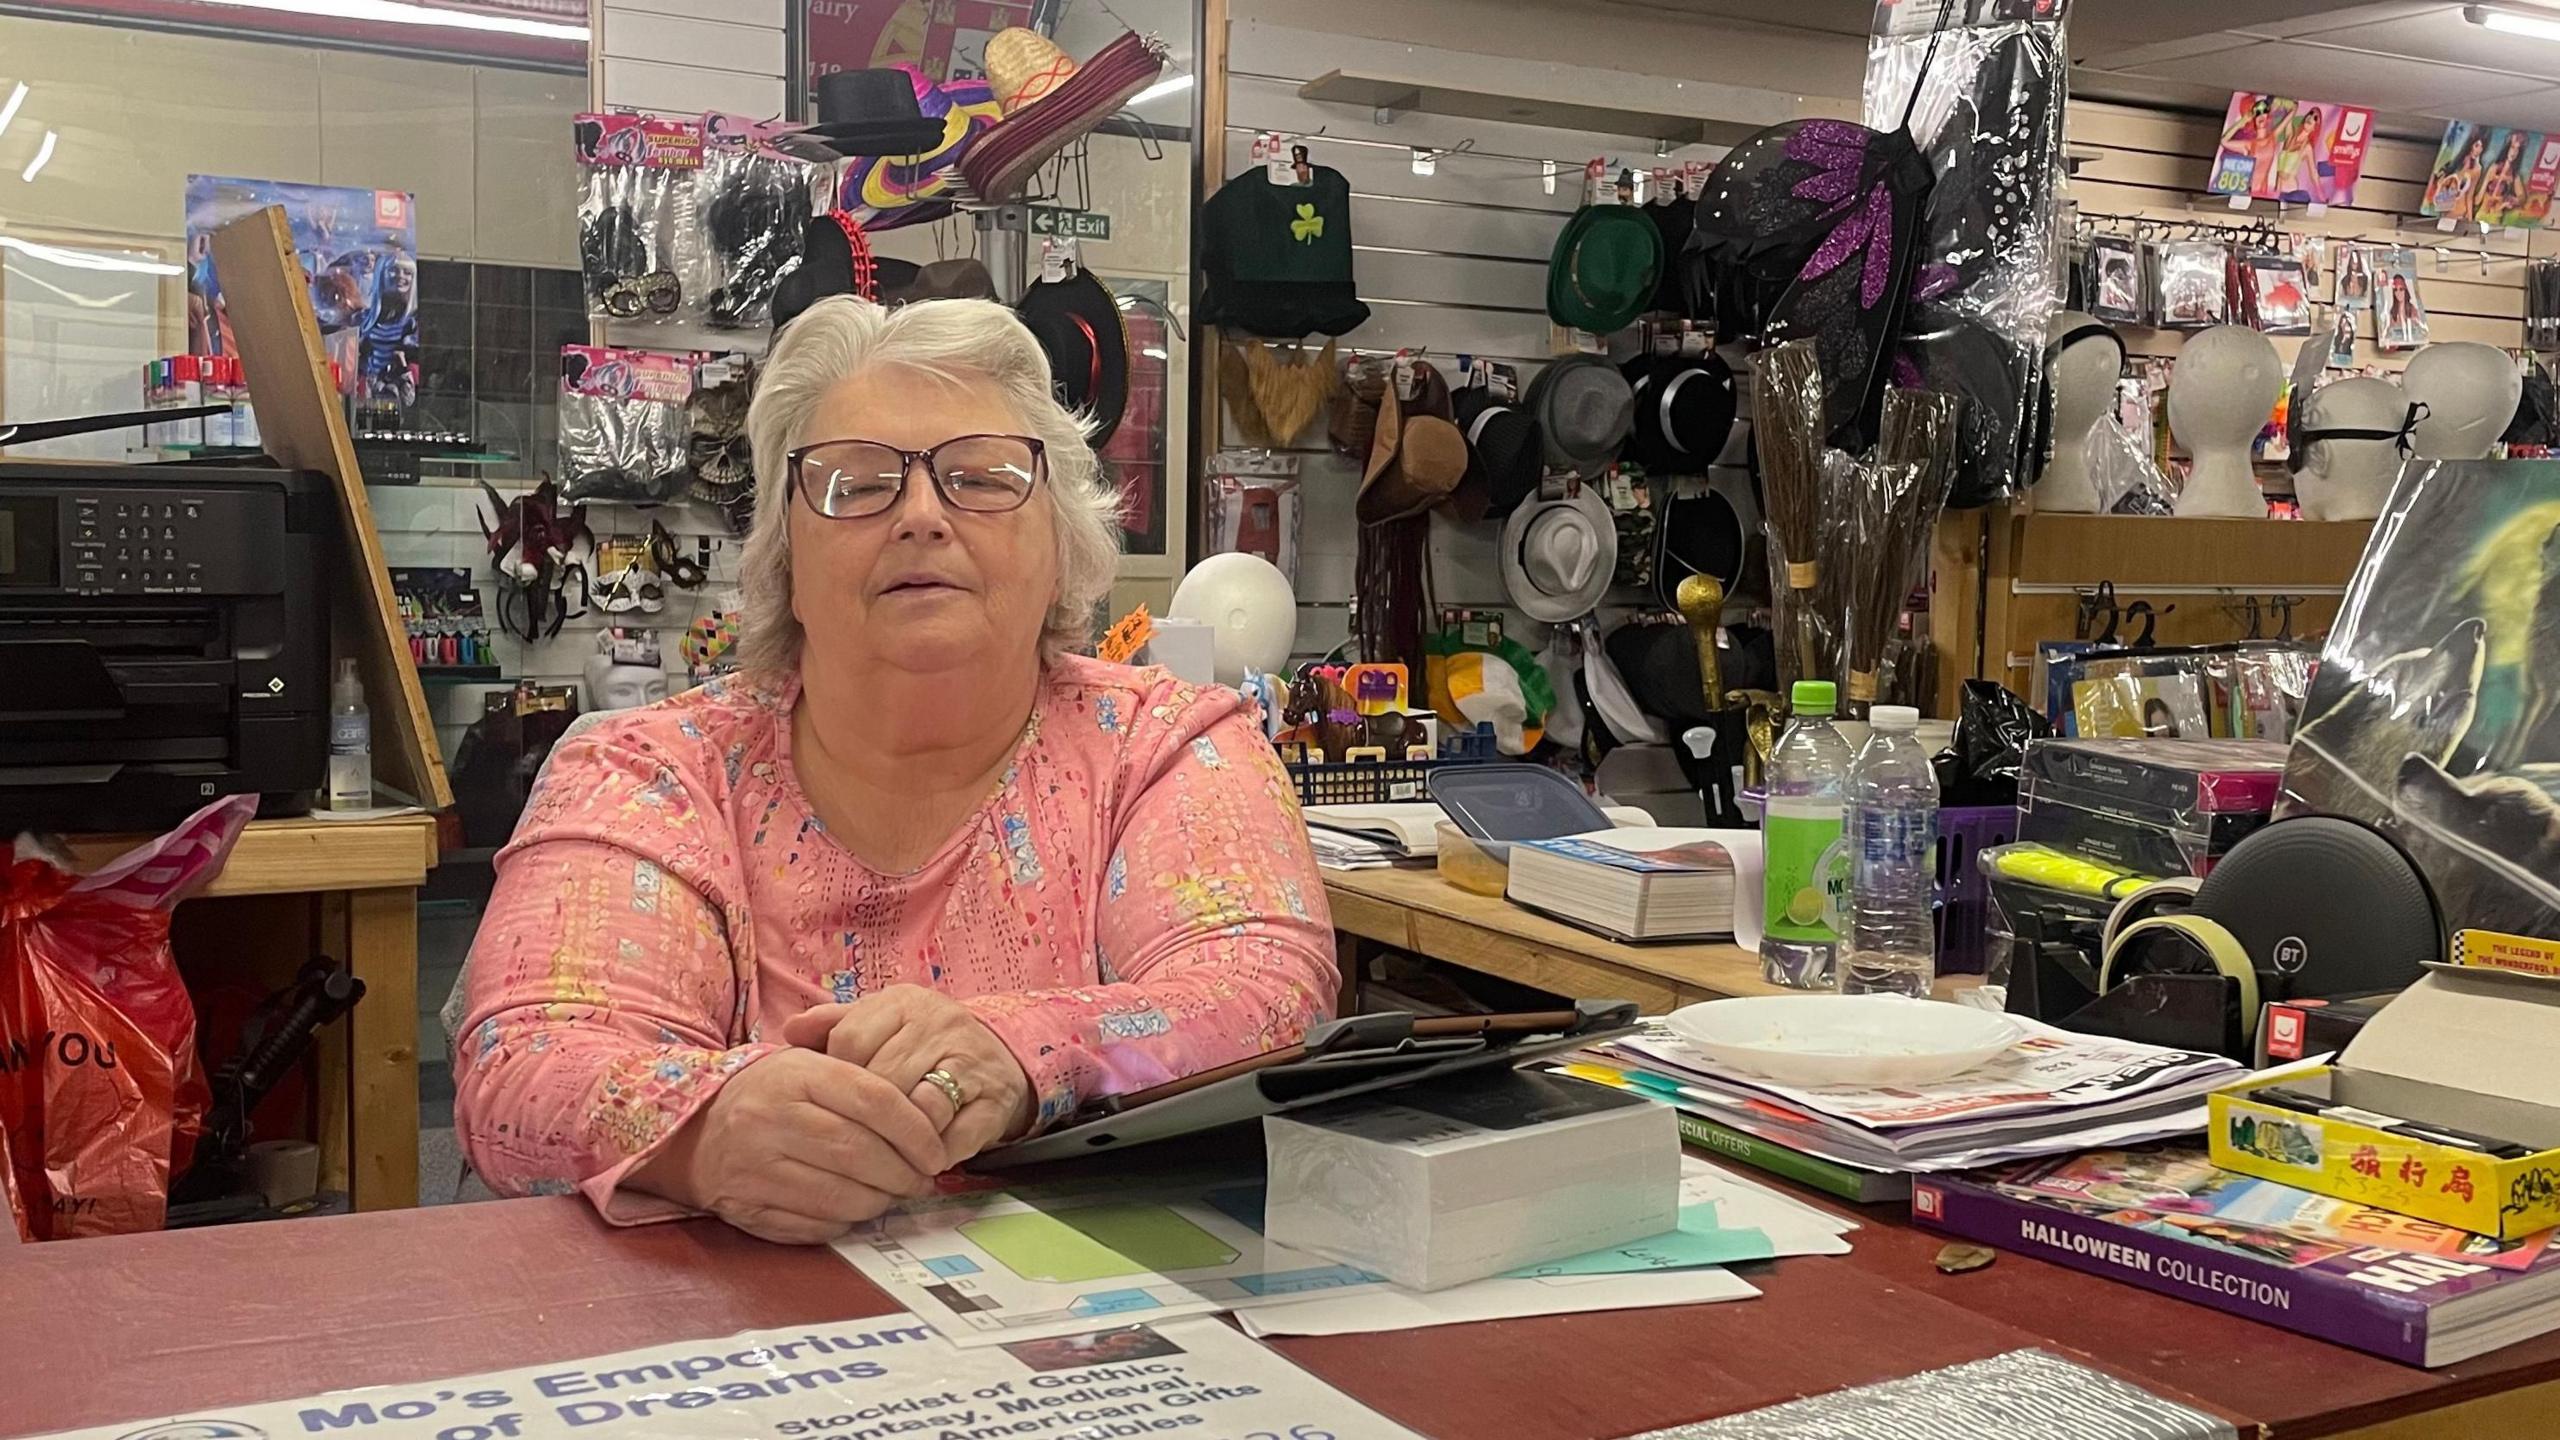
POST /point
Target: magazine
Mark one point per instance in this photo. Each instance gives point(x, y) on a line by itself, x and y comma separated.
point(2048, 1070)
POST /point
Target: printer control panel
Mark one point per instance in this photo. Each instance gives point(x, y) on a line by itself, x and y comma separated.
point(160, 540)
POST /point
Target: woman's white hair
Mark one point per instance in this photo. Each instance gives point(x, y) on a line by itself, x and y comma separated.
point(954, 340)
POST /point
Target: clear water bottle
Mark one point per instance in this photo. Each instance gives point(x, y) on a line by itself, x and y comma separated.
point(1800, 832)
point(1891, 832)
point(350, 743)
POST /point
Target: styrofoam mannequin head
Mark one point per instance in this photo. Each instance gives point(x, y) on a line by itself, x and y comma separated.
point(2349, 479)
point(1246, 601)
point(2082, 376)
point(2470, 391)
point(2220, 395)
point(621, 687)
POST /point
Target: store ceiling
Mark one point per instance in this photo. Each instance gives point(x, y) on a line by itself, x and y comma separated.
point(2418, 62)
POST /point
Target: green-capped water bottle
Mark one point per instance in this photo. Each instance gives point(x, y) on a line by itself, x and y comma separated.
point(1800, 832)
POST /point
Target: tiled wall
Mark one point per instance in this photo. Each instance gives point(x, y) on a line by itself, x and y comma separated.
point(491, 364)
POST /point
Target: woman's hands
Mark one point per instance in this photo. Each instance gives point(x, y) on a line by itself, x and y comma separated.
point(902, 1032)
point(798, 1148)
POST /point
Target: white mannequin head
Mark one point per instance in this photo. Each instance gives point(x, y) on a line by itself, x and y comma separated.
point(2220, 396)
point(2082, 376)
point(2470, 391)
point(2348, 479)
point(617, 678)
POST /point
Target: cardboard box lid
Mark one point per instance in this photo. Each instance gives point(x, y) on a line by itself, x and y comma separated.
point(2485, 1031)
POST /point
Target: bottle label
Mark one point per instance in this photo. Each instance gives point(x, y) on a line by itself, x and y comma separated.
point(1894, 846)
point(1798, 835)
point(350, 734)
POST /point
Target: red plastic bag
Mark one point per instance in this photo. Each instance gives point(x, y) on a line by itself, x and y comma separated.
point(101, 1093)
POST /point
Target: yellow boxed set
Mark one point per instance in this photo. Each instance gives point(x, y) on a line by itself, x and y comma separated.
point(2445, 1106)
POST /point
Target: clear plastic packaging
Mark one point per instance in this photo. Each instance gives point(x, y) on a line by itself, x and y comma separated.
point(2121, 471)
point(740, 228)
point(631, 170)
point(2154, 806)
point(1254, 507)
point(624, 433)
point(1988, 115)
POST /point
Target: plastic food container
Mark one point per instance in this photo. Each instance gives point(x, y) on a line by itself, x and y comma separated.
point(1471, 865)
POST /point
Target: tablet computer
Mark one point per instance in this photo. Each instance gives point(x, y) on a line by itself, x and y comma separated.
point(1340, 1058)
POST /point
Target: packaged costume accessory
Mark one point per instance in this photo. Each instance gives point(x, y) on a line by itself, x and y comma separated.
point(2399, 316)
point(1987, 113)
point(629, 170)
point(623, 432)
point(745, 210)
point(2194, 284)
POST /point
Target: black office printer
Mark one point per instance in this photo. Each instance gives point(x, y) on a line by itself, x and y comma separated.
point(163, 642)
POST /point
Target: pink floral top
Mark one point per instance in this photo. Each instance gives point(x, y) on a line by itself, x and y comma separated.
point(1135, 902)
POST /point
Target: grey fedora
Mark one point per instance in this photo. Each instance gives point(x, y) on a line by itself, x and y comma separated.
point(1585, 409)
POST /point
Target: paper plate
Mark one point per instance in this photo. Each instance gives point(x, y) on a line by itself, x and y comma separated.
point(1844, 1039)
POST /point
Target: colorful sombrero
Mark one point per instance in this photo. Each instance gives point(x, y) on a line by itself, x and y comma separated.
point(1036, 129)
point(886, 192)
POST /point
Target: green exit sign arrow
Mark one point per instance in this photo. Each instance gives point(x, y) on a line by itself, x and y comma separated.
point(1069, 224)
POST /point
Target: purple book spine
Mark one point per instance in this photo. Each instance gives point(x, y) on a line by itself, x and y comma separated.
point(2328, 1307)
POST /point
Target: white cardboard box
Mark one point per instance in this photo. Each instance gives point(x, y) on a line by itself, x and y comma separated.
point(1435, 1185)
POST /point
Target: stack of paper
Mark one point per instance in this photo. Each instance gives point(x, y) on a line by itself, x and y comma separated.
point(1336, 850)
point(1067, 1257)
point(2053, 1092)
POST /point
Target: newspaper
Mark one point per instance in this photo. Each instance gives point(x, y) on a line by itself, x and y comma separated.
point(2048, 1071)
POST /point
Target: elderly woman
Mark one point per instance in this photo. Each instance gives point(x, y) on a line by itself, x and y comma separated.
point(919, 879)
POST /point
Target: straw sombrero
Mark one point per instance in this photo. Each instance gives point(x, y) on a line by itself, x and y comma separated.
point(1039, 127)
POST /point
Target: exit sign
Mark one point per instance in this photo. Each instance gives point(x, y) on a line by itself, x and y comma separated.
point(1070, 224)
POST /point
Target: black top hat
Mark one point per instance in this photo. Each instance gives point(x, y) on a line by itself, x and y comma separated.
point(1078, 325)
point(1506, 456)
point(1684, 411)
point(873, 112)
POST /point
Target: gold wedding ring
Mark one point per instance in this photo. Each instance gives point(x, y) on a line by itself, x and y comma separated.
point(949, 1084)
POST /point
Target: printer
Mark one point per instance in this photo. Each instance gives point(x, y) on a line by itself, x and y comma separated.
point(164, 641)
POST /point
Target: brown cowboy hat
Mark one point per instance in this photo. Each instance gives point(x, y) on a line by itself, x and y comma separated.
point(1415, 461)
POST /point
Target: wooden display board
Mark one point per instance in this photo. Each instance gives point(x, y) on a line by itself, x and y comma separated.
point(2004, 582)
point(304, 426)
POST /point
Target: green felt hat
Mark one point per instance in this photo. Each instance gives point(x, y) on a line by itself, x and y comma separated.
point(1605, 265)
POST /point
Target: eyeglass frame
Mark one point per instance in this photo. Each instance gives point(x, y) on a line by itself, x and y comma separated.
point(907, 462)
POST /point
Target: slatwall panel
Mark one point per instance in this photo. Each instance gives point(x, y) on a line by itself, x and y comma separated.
point(438, 523)
point(1453, 263)
point(2155, 164)
point(683, 57)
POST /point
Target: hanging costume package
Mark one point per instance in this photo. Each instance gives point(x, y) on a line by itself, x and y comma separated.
point(741, 217)
point(1986, 110)
point(630, 169)
point(104, 1096)
point(624, 433)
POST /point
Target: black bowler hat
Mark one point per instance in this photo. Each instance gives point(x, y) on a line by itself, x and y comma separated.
point(1077, 322)
point(874, 112)
point(1506, 456)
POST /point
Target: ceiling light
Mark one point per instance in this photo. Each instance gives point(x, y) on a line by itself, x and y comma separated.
point(85, 259)
point(2508, 22)
point(44, 156)
point(9, 111)
point(1174, 86)
point(401, 12)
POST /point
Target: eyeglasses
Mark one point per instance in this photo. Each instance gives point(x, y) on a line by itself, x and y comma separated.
point(983, 474)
